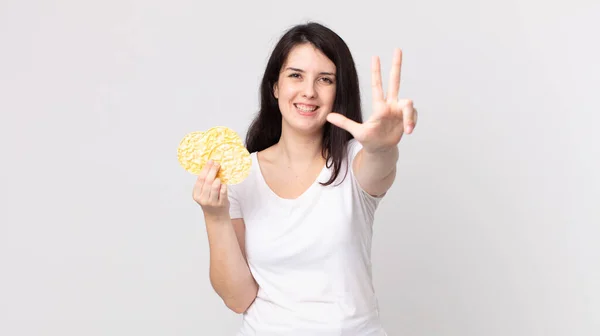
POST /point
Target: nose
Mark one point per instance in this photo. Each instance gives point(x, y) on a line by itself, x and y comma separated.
point(309, 89)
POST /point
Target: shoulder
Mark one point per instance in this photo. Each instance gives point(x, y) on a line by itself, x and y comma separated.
point(238, 190)
point(239, 193)
point(371, 201)
point(249, 186)
point(353, 147)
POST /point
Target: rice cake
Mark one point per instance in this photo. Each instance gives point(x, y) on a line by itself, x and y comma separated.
point(234, 161)
point(222, 145)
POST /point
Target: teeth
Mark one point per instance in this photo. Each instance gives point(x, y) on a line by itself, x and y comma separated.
point(305, 109)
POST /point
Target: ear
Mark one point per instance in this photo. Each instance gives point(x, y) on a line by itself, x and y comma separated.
point(276, 91)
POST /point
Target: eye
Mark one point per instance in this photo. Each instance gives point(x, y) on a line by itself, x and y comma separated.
point(327, 80)
point(294, 75)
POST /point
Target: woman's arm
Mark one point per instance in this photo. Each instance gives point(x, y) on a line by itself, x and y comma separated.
point(375, 164)
point(230, 275)
point(376, 172)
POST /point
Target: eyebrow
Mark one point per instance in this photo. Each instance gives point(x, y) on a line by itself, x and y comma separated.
point(300, 70)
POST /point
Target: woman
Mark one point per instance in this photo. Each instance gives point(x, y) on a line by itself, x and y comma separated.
point(290, 245)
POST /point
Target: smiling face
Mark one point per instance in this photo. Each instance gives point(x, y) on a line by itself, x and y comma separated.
point(305, 89)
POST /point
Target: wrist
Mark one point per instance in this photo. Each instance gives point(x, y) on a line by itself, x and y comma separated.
point(217, 218)
point(386, 150)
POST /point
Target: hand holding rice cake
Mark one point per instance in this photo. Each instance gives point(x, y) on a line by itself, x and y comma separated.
point(220, 144)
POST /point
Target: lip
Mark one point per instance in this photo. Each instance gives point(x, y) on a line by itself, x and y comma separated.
point(304, 113)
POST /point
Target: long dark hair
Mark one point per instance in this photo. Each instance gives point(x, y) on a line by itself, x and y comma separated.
point(265, 129)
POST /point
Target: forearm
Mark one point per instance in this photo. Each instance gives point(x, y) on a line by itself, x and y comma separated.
point(376, 171)
point(380, 164)
point(230, 275)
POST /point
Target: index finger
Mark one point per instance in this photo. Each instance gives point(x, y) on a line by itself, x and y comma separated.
point(394, 81)
point(205, 170)
point(376, 87)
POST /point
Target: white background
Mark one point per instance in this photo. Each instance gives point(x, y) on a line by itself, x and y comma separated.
point(492, 227)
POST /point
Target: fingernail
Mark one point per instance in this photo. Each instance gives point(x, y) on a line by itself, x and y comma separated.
point(210, 162)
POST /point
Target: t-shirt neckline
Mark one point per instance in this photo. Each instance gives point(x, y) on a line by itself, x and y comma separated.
point(307, 193)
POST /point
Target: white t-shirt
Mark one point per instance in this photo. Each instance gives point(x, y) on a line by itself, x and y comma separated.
point(311, 256)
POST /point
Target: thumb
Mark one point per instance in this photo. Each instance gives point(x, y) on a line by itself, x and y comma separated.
point(342, 122)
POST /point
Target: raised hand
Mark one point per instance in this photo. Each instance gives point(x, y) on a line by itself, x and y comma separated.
point(390, 118)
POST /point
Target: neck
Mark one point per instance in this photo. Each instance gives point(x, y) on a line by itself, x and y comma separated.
point(299, 149)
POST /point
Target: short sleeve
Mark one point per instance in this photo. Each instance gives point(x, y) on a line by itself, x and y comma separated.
point(235, 208)
point(371, 202)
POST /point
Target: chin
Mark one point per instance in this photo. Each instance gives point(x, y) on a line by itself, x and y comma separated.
point(307, 125)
